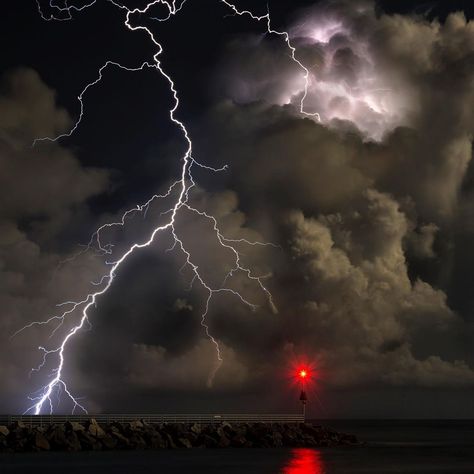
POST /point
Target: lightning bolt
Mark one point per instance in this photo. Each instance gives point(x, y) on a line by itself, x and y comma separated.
point(181, 188)
point(65, 11)
point(286, 37)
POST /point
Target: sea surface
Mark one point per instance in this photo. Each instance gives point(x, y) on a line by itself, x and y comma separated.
point(408, 447)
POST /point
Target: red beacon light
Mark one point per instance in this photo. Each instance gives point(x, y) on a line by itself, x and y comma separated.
point(303, 376)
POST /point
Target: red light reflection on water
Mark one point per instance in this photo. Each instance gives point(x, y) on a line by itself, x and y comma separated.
point(304, 461)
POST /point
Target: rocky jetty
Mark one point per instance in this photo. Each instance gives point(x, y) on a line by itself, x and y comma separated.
point(92, 436)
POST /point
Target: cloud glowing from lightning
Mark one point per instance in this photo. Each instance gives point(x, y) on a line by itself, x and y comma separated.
point(347, 84)
point(179, 191)
point(343, 79)
point(286, 37)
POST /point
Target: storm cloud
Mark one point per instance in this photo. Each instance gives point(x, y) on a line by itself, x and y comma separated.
point(369, 227)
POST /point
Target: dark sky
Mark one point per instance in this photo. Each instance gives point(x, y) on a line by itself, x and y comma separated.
point(370, 208)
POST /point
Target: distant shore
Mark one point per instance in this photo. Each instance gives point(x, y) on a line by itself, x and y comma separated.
point(139, 435)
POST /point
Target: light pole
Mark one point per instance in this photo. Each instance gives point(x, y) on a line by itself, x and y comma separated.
point(303, 374)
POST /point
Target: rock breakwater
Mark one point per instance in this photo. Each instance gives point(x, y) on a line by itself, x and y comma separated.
point(92, 436)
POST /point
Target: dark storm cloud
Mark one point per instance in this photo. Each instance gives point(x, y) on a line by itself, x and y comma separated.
point(355, 216)
point(151, 316)
point(42, 190)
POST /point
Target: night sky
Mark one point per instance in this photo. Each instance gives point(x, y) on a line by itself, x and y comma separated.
point(370, 210)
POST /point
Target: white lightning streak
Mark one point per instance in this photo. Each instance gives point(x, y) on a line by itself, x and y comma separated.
point(181, 186)
point(64, 10)
point(286, 37)
point(81, 96)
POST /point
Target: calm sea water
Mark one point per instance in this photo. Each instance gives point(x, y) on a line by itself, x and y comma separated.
point(408, 447)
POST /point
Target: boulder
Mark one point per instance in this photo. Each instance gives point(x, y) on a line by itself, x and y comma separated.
point(136, 425)
point(176, 429)
point(117, 427)
point(156, 442)
point(57, 437)
point(88, 442)
point(109, 442)
point(184, 443)
point(290, 438)
point(196, 428)
point(170, 441)
point(40, 442)
point(74, 426)
point(223, 442)
point(348, 439)
point(137, 442)
point(18, 425)
point(73, 441)
point(265, 441)
point(208, 441)
point(94, 429)
point(309, 441)
point(227, 426)
point(122, 441)
point(238, 441)
point(277, 439)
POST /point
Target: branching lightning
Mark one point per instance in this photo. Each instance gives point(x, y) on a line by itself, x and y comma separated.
point(43, 398)
point(286, 36)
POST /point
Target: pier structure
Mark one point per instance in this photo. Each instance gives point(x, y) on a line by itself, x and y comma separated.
point(200, 418)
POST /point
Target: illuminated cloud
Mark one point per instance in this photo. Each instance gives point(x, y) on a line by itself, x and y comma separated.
point(347, 81)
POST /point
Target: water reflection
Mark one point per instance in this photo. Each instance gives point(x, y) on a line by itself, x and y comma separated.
point(304, 461)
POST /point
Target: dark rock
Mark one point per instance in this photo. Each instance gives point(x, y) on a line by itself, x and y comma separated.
point(74, 426)
point(309, 441)
point(156, 442)
point(136, 425)
point(348, 439)
point(56, 436)
point(94, 429)
point(109, 442)
point(137, 441)
point(88, 442)
point(196, 428)
point(170, 441)
point(227, 427)
point(40, 442)
point(223, 442)
point(277, 439)
point(176, 430)
point(122, 441)
point(238, 441)
point(73, 441)
point(117, 427)
point(184, 443)
point(208, 441)
point(17, 425)
point(290, 438)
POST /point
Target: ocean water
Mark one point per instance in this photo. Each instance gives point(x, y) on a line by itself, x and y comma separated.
point(422, 447)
